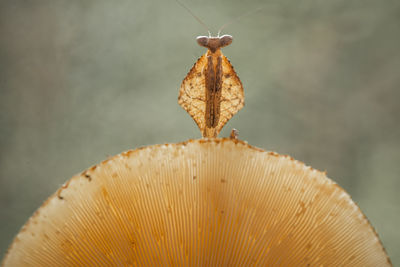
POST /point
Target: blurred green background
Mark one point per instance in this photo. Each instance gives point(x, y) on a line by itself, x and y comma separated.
point(83, 80)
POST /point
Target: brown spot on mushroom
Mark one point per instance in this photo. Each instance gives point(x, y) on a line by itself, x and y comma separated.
point(60, 190)
point(88, 176)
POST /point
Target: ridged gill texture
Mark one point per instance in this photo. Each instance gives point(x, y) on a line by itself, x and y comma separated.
point(217, 202)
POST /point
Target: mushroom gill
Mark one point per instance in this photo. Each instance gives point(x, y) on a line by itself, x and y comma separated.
point(208, 202)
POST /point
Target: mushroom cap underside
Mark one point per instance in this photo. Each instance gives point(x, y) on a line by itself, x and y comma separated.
point(207, 202)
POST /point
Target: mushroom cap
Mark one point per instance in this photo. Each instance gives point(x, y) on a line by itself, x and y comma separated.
point(204, 202)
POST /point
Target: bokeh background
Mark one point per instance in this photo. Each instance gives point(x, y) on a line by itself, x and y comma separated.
point(83, 80)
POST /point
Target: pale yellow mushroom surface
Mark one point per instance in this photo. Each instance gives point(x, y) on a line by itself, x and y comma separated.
point(208, 202)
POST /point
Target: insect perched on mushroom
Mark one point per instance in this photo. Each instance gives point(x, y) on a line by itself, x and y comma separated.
point(212, 92)
point(206, 202)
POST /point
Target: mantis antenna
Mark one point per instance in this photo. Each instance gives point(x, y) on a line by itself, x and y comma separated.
point(199, 20)
point(239, 17)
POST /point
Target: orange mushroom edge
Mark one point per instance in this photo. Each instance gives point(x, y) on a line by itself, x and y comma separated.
point(207, 202)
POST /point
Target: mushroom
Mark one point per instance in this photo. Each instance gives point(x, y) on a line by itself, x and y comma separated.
point(207, 202)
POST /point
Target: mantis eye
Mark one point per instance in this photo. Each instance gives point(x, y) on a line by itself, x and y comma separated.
point(202, 40)
point(225, 40)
